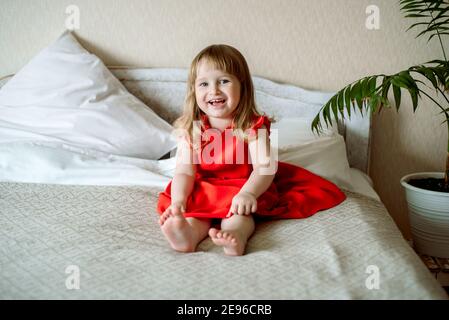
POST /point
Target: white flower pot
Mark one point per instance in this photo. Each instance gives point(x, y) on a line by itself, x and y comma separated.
point(429, 216)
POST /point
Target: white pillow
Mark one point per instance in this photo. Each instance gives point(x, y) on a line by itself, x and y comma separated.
point(324, 155)
point(297, 130)
point(66, 95)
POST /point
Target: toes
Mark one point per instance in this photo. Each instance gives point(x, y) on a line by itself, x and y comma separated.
point(213, 232)
point(231, 238)
point(166, 214)
point(227, 237)
point(164, 217)
point(219, 235)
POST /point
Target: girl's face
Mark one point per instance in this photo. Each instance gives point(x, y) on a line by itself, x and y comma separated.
point(217, 92)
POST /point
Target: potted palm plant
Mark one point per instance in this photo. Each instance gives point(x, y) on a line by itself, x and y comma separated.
point(427, 194)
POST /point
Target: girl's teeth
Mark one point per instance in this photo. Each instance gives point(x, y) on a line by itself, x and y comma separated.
point(216, 101)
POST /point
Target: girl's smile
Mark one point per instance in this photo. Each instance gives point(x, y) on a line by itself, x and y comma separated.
point(217, 103)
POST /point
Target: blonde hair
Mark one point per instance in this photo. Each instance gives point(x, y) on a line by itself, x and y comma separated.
point(231, 61)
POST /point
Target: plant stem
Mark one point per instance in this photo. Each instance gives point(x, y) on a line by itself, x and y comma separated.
point(439, 105)
point(446, 173)
point(442, 47)
point(439, 36)
point(444, 95)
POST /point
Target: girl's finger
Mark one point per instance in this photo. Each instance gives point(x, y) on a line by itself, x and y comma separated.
point(254, 207)
point(234, 208)
point(241, 209)
point(248, 209)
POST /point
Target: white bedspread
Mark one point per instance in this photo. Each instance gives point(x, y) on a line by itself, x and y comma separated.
point(55, 215)
point(112, 236)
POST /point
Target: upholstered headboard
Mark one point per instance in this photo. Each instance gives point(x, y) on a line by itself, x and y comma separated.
point(164, 91)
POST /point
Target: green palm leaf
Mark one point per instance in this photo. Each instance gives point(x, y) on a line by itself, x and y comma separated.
point(433, 15)
point(371, 93)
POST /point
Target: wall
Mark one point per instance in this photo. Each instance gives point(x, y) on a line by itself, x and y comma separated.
point(316, 44)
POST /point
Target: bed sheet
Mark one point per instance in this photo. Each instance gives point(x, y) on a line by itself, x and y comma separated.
point(56, 163)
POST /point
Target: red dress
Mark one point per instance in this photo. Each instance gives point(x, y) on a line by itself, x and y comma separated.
point(295, 192)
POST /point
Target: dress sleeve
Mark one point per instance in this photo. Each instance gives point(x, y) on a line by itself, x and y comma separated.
point(260, 121)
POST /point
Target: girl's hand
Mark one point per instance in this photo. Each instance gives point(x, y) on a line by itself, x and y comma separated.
point(176, 208)
point(244, 203)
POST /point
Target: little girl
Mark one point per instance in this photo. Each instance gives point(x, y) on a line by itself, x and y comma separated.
point(227, 176)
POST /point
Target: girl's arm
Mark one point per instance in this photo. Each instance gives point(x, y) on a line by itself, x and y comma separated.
point(184, 177)
point(264, 170)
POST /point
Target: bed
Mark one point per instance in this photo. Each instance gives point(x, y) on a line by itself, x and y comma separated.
point(66, 212)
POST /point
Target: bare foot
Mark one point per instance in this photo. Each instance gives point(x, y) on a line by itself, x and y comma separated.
point(164, 216)
point(233, 244)
point(178, 232)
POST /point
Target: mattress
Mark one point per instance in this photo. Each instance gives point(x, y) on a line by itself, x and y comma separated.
point(110, 234)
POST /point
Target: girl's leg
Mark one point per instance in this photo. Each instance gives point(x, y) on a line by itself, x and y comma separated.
point(234, 234)
point(184, 234)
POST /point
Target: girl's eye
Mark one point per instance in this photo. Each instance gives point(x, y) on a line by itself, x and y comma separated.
point(224, 81)
point(203, 84)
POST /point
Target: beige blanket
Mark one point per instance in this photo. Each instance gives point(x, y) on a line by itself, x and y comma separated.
point(111, 236)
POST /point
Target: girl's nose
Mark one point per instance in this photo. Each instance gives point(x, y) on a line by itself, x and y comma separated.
point(214, 88)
